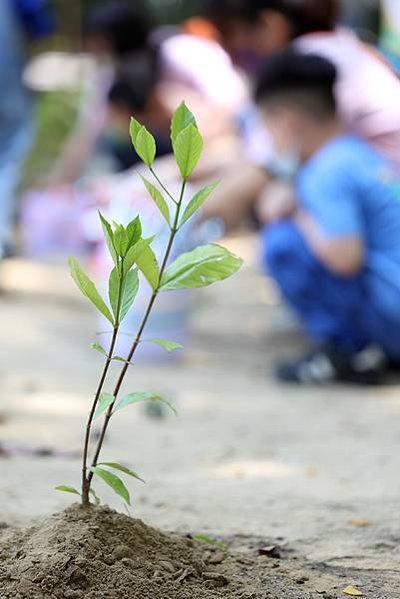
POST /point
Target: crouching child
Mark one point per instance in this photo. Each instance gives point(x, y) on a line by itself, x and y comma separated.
point(335, 251)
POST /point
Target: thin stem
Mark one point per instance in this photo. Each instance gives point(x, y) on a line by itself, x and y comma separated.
point(161, 184)
point(134, 347)
point(85, 485)
point(85, 480)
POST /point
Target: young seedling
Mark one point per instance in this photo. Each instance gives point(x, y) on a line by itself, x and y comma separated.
point(131, 254)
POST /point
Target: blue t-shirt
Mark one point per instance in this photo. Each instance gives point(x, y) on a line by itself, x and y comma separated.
point(350, 189)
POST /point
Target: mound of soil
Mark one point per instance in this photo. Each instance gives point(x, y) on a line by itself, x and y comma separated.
point(97, 553)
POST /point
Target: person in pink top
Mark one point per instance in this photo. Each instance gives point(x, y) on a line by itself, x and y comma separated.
point(367, 92)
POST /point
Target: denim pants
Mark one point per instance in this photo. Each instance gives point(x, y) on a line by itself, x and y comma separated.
point(333, 309)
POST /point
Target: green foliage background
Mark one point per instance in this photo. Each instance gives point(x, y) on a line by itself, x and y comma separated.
point(55, 115)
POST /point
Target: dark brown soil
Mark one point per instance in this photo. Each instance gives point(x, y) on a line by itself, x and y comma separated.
point(100, 554)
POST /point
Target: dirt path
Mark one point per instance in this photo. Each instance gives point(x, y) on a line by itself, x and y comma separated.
point(317, 469)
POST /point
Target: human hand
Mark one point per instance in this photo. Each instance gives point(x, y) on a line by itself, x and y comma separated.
point(277, 202)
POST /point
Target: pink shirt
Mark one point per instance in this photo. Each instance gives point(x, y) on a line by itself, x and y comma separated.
point(368, 91)
point(203, 66)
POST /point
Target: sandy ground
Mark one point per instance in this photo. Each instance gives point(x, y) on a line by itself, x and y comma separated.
point(317, 469)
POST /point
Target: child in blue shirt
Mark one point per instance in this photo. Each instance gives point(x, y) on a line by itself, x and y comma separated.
point(335, 251)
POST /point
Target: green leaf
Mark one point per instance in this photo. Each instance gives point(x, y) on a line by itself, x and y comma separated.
point(188, 148)
point(201, 267)
point(147, 262)
point(105, 401)
point(145, 146)
point(122, 468)
point(135, 252)
point(181, 119)
point(134, 231)
point(121, 240)
point(113, 481)
point(134, 129)
point(96, 498)
point(109, 235)
point(158, 199)
point(67, 489)
point(130, 289)
point(99, 348)
point(114, 291)
point(140, 397)
point(169, 346)
point(196, 202)
point(88, 288)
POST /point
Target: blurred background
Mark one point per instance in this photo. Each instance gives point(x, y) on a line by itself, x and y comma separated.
point(71, 75)
point(57, 68)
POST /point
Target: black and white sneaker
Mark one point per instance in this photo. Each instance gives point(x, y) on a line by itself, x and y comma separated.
point(329, 365)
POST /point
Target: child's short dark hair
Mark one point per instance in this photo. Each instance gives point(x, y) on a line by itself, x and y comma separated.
point(126, 26)
point(306, 81)
point(134, 83)
point(306, 16)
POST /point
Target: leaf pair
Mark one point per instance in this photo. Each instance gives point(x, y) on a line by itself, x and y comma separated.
point(187, 142)
point(193, 206)
point(169, 346)
point(187, 145)
point(68, 489)
point(111, 479)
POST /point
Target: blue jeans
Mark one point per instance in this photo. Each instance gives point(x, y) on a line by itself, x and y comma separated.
point(334, 309)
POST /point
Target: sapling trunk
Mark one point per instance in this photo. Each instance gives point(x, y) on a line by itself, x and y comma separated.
point(86, 482)
point(131, 253)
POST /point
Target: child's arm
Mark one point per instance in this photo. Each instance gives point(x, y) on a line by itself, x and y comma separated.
point(341, 255)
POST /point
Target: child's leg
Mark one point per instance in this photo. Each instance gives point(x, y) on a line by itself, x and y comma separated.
point(328, 305)
point(336, 311)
